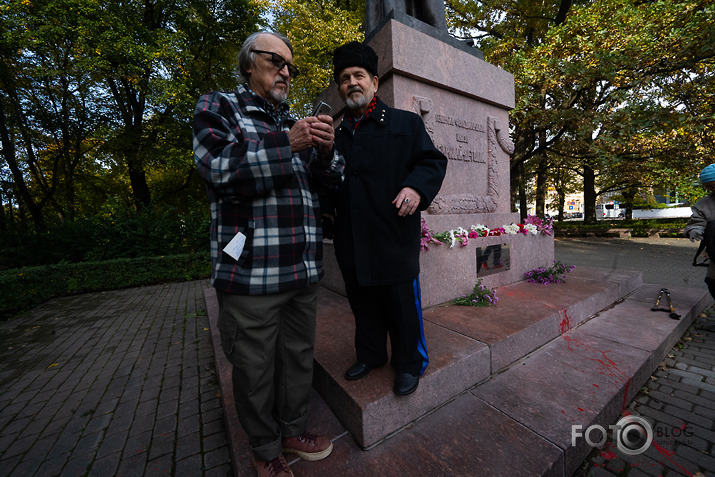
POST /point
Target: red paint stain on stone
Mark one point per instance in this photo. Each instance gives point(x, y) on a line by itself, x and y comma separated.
point(667, 454)
point(565, 324)
point(608, 366)
point(608, 455)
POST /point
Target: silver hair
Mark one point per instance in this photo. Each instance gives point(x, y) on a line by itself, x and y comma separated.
point(247, 59)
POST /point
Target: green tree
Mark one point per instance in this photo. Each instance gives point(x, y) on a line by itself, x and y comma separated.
point(155, 58)
point(47, 113)
point(582, 71)
point(97, 99)
point(315, 28)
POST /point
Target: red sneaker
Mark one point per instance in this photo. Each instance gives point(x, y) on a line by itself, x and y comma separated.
point(308, 446)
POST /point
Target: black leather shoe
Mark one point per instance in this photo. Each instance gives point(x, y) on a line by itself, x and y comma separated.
point(405, 383)
point(357, 371)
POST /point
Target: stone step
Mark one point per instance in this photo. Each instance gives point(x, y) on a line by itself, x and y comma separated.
point(515, 421)
point(589, 375)
point(466, 346)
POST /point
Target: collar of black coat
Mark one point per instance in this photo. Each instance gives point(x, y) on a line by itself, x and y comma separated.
point(376, 110)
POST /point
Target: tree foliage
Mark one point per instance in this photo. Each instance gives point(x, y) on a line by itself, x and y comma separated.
point(315, 28)
point(97, 99)
point(601, 84)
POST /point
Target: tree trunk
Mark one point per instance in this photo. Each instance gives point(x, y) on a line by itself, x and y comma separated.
point(589, 195)
point(19, 180)
point(131, 103)
point(523, 206)
point(3, 215)
point(514, 186)
point(137, 179)
point(541, 182)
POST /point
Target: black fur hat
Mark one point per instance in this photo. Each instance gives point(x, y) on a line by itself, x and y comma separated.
point(354, 54)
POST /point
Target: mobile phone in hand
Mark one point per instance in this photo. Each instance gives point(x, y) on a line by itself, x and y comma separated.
point(321, 108)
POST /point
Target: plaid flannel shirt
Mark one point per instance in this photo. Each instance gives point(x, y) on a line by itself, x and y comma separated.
point(258, 187)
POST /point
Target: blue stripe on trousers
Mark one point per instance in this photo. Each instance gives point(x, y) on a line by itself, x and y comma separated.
point(422, 345)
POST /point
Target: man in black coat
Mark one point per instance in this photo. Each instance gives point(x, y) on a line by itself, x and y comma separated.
point(393, 171)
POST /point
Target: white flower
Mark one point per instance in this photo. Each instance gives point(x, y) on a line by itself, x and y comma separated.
point(531, 228)
point(511, 229)
point(480, 228)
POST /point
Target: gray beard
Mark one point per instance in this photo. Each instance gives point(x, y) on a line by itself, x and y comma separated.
point(358, 104)
point(279, 97)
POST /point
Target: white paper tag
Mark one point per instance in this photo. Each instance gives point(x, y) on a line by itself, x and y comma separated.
point(235, 246)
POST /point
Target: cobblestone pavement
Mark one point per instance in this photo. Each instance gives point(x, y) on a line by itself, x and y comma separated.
point(116, 383)
point(679, 404)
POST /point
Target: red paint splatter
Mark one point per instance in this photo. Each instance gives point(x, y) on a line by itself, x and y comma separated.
point(667, 454)
point(565, 324)
point(608, 455)
point(609, 367)
point(625, 394)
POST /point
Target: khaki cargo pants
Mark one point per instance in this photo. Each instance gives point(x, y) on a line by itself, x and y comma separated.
point(269, 340)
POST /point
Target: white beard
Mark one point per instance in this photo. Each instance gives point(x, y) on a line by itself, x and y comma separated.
point(279, 95)
point(359, 103)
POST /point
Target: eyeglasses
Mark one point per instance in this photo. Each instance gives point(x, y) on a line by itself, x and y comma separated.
point(279, 62)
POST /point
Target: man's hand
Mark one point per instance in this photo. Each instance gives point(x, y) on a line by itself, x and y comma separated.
point(407, 201)
point(312, 132)
point(695, 236)
point(300, 135)
point(323, 134)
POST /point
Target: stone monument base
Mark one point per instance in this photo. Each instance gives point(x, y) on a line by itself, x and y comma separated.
point(447, 273)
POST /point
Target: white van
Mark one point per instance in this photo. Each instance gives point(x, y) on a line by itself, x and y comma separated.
point(609, 210)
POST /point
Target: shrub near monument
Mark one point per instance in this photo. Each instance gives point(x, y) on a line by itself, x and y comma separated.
point(668, 227)
point(123, 250)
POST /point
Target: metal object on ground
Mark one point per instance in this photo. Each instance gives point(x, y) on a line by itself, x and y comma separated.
point(670, 309)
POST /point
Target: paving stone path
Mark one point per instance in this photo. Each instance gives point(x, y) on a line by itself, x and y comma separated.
point(116, 383)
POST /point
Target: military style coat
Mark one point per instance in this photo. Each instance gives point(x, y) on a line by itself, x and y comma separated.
point(387, 151)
